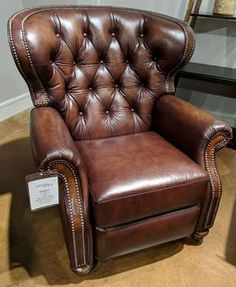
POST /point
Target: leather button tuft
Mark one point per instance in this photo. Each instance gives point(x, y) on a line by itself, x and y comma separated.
point(101, 62)
point(116, 85)
point(142, 84)
point(85, 34)
point(58, 35)
point(107, 112)
point(113, 34)
point(90, 88)
point(141, 35)
point(80, 113)
point(74, 63)
point(132, 110)
point(126, 61)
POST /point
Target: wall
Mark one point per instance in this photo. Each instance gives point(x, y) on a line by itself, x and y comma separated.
point(31, 3)
point(13, 91)
point(170, 7)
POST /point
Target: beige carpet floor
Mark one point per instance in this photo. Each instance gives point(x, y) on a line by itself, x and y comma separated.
point(33, 253)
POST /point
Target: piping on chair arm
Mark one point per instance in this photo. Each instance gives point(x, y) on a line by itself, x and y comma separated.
point(199, 135)
point(53, 148)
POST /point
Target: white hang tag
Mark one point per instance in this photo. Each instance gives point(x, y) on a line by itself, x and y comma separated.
point(43, 190)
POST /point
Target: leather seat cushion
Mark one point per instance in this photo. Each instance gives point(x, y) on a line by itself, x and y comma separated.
point(140, 175)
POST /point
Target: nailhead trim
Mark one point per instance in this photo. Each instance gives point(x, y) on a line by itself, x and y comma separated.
point(18, 62)
point(183, 59)
point(45, 102)
point(71, 210)
point(216, 174)
point(33, 96)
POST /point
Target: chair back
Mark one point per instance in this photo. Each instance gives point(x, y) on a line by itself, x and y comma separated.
point(102, 68)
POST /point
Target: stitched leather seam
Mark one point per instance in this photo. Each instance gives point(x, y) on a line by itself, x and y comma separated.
point(183, 59)
point(34, 99)
point(45, 102)
point(12, 44)
point(137, 115)
point(148, 192)
point(141, 221)
point(71, 208)
point(71, 217)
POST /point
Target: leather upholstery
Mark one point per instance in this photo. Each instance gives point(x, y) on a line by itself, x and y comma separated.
point(200, 137)
point(103, 78)
point(192, 135)
point(136, 165)
point(132, 237)
point(142, 174)
point(54, 148)
point(61, 148)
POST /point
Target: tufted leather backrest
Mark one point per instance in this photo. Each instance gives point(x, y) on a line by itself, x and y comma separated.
point(102, 68)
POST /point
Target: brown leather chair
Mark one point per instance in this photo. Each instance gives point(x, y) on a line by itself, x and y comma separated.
point(137, 165)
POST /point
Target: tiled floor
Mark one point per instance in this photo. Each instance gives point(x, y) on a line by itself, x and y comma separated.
point(36, 240)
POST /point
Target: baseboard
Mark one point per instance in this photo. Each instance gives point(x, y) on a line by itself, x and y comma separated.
point(14, 106)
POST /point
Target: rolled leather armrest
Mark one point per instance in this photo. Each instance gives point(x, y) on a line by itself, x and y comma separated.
point(53, 147)
point(199, 135)
point(188, 128)
point(51, 139)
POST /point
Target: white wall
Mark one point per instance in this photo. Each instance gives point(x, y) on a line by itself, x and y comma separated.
point(10, 81)
point(170, 7)
point(13, 90)
point(31, 3)
point(207, 5)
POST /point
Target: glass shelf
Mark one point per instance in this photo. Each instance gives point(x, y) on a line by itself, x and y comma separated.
point(215, 16)
point(209, 73)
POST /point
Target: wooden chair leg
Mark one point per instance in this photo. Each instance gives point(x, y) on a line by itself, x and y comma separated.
point(196, 238)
